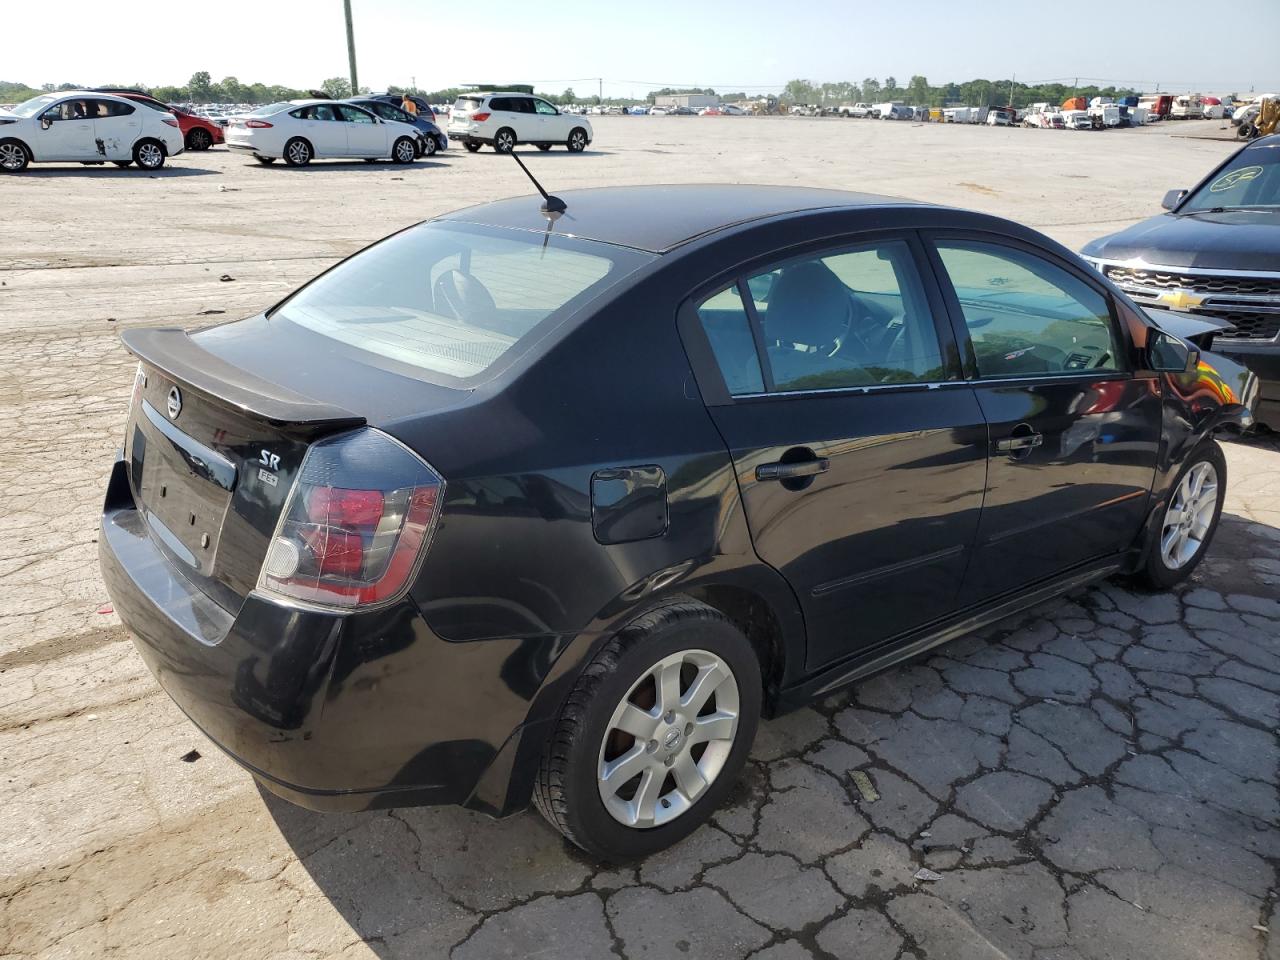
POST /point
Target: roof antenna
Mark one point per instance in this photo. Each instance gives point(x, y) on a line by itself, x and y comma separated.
point(551, 207)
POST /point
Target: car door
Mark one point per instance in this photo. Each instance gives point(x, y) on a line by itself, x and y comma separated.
point(325, 128)
point(553, 126)
point(1074, 435)
point(66, 132)
point(860, 453)
point(366, 137)
point(117, 127)
point(525, 120)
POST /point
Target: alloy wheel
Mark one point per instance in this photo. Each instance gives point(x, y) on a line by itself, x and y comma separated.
point(577, 141)
point(12, 156)
point(405, 152)
point(299, 152)
point(668, 739)
point(505, 142)
point(150, 156)
point(1189, 516)
point(200, 140)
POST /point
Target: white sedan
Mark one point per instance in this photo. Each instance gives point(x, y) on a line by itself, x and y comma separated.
point(89, 128)
point(304, 130)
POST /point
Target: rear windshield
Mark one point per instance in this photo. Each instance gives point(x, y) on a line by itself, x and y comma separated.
point(467, 104)
point(451, 299)
point(270, 108)
point(1250, 181)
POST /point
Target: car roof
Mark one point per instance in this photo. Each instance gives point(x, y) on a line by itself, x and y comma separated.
point(661, 217)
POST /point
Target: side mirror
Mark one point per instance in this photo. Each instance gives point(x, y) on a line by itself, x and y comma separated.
point(1167, 354)
point(46, 123)
point(1172, 199)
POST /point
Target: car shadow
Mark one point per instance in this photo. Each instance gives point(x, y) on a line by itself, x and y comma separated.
point(47, 171)
point(557, 152)
point(411, 881)
point(378, 166)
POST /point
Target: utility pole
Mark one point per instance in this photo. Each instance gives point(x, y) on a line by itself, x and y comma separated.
point(413, 83)
point(351, 48)
point(1011, 79)
point(600, 90)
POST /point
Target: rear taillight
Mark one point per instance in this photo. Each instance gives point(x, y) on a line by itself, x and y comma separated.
point(170, 121)
point(358, 521)
point(257, 124)
point(479, 117)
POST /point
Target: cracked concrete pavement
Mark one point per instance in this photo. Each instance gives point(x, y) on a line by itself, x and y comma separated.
point(1096, 778)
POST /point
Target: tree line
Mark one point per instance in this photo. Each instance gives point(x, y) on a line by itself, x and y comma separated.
point(202, 88)
point(919, 92)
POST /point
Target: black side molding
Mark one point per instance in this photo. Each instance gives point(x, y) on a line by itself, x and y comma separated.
point(173, 353)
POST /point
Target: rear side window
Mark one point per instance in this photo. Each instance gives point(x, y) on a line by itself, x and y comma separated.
point(501, 103)
point(1027, 316)
point(728, 329)
point(450, 299)
point(115, 108)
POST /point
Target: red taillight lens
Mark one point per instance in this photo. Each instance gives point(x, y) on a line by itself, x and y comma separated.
point(356, 525)
point(480, 117)
point(258, 124)
point(169, 120)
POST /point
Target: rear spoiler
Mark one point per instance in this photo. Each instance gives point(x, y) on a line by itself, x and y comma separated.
point(172, 352)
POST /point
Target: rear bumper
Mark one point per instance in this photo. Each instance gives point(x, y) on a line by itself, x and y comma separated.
point(334, 712)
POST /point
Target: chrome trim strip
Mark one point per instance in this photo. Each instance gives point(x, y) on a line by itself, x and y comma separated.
point(1140, 264)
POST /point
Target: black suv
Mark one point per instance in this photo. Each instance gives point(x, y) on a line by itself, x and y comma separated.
point(490, 513)
point(1215, 254)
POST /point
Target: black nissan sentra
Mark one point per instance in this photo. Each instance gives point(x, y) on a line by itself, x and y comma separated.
point(514, 506)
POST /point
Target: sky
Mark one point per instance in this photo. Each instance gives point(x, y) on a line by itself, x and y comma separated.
point(633, 48)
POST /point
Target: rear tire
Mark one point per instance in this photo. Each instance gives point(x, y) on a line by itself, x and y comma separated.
point(472, 146)
point(504, 141)
point(149, 154)
point(544, 147)
point(265, 161)
point(1189, 520)
point(577, 141)
point(687, 750)
point(199, 139)
point(123, 164)
point(404, 151)
point(429, 147)
point(298, 152)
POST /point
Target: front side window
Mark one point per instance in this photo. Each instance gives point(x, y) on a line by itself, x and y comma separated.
point(354, 114)
point(1027, 316)
point(545, 108)
point(450, 299)
point(853, 318)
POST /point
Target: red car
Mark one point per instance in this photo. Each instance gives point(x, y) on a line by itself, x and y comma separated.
point(199, 133)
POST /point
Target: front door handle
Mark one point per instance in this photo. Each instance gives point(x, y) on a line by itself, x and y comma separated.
point(792, 471)
point(1024, 443)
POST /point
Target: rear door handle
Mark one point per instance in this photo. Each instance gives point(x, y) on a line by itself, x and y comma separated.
point(790, 471)
point(1015, 444)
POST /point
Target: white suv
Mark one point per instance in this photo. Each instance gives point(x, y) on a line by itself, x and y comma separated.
point(502, 120)
point(90, 128)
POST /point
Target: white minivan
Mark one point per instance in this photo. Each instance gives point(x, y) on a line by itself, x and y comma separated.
point(502, 120)
point(89, 128)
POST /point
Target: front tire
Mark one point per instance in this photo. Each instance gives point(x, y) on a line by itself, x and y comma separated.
point(577, 141)
point(403, 151)
point(472, 146)
point(1190, 518)
point(504, 141)
point(654, 733)
point(199, 139)
point(298, 152)
point(429, 147)
point(14, 156)
point(148, 154)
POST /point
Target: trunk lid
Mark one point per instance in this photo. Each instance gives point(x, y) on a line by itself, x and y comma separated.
point(213, 450)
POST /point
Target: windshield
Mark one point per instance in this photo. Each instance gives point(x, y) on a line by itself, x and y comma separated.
point(35, 105)
point(1251, 180)
point(451, 299)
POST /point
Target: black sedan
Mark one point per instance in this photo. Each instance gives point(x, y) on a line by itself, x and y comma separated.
point(517, 506)
point(1215, 254)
